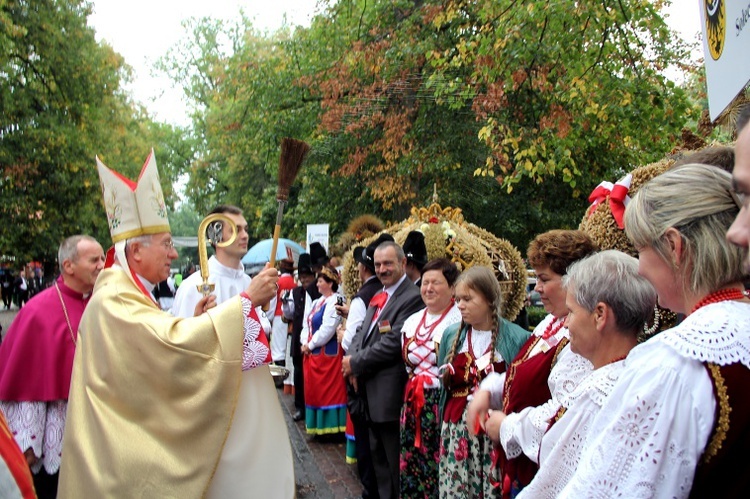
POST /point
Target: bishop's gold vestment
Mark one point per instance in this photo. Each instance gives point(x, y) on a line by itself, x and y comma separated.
point(152, 396)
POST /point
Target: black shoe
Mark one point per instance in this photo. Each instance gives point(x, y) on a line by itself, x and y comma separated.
point(298, 416)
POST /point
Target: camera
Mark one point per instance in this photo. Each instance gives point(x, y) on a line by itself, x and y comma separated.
point(340, 301)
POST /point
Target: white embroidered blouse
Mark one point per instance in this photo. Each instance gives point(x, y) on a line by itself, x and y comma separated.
point(521, 432)
point(651, 432)
point(424, 356)
point(561, 446)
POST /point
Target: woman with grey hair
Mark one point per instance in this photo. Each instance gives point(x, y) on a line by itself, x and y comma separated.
point(608, 303)
point(676, 422)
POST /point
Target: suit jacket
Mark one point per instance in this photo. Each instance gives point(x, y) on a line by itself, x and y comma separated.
point(298, 296)
point(376, 359)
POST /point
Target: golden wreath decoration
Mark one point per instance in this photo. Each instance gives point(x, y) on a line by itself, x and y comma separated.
point(448, 235)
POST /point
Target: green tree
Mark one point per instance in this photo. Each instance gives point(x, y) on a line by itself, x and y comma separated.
point(515, 110)
point(62, 102)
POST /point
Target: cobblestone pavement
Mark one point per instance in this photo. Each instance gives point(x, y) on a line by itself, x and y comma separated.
point(320, 466)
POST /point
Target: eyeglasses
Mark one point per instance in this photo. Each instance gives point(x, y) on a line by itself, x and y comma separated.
point(168, 245)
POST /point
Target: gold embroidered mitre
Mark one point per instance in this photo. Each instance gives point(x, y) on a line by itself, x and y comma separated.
point(133, 208)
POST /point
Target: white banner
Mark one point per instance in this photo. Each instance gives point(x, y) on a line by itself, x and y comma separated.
point(317, 233)
point(726, 46)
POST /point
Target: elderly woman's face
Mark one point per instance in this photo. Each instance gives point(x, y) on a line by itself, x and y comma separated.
point(581, 324)
point(549, 287)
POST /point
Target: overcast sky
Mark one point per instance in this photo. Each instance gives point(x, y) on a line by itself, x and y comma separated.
point(142, 31)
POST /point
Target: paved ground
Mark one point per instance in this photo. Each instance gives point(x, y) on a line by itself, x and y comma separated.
point(319, 463)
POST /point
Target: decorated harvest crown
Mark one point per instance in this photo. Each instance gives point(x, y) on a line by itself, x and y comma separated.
point(448, 235)
point(603, 222)
point(133, 208)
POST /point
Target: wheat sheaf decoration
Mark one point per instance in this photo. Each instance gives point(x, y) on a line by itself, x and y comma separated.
point(449, 235)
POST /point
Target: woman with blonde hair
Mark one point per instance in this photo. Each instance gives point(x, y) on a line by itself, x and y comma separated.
point(676, 423)
point(482, 343)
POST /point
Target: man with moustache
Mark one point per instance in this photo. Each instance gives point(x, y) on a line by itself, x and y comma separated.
point(375, 367)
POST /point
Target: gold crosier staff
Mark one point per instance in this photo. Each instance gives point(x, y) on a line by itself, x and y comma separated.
point(207, 288)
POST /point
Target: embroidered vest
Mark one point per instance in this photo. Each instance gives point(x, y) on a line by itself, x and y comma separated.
point(724, 469)
point(368, 290)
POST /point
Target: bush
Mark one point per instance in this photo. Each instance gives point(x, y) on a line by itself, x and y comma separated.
point(536, 314)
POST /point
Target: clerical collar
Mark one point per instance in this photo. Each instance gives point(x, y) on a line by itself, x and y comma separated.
point(146, 283)
point(393, 288)
point(64, 288)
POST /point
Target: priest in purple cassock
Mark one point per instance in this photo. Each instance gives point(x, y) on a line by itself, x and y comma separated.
point(36, 360)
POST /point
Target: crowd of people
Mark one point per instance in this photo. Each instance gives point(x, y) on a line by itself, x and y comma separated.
point(439, 394)
point(17, 289)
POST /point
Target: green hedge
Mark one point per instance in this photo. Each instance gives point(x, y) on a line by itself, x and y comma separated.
point(536, 314)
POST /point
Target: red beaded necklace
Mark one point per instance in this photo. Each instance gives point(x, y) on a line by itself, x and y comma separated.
point(421, 339)
point(719, 296)
point(553, 327)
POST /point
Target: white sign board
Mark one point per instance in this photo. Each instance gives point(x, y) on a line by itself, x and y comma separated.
point(317, 233)
point(726, 45)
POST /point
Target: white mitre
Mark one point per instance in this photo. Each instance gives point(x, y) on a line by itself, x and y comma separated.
point(133, 208)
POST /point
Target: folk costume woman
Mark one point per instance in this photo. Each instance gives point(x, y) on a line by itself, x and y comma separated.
point(543, 373)
point(469, 351)
point(608, 304)
point(420, 425)
point(325, 393)
point(675, 424)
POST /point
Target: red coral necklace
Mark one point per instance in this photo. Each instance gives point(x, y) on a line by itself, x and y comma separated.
point(726, 294)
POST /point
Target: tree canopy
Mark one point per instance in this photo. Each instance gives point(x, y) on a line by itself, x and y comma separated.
point(514, 110)
point(62, 102)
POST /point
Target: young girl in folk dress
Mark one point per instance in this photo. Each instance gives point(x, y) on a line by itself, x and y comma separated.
point(469, 351)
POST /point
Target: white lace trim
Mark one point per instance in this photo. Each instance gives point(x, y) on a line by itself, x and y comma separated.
point(39, 426)
point(637, 445)
point(598, 385)
point(524, 432)
point(255, 353)
point(561, 446)
point(567, 373)
point(717, 333)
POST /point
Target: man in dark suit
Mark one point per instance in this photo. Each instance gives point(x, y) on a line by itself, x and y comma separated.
point(374, 364)
point(306, 278)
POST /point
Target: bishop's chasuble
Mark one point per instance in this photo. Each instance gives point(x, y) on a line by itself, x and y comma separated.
point(152, 396)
